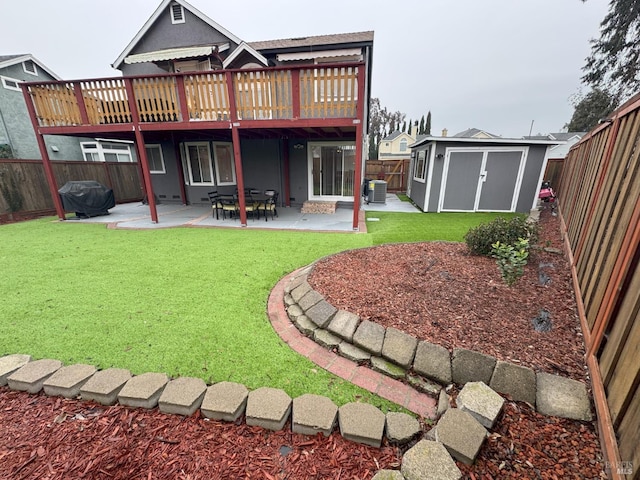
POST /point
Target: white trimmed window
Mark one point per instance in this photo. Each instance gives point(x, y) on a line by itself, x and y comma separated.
point(106, 152)
point(420, 166)
point(177, 13)
point(225, 165)
point(198, 156)
point(29, 66)
point(403, 145)
point(10, 83)
point(155, 158)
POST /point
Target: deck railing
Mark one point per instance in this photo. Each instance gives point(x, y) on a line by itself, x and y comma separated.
point(303, 92)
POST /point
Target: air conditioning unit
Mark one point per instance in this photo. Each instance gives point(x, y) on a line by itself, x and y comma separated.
point(377, 191)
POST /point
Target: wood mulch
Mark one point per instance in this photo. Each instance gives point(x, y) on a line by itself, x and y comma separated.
point(438, 292)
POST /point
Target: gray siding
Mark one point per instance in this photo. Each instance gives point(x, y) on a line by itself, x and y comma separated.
point(298, 172)
point(163, 34)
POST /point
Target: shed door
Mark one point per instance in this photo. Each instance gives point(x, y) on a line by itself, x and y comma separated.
point(500, 183)
point(462, 178)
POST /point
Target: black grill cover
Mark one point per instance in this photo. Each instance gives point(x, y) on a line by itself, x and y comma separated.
point(87, 198)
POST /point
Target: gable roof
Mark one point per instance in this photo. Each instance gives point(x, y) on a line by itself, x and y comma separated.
point(474, 133)
point(10, 60)
point(154, 17)
point(244, 47)
point(313, 41)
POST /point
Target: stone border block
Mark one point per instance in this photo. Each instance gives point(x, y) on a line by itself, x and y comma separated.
point(461, 434)
point(344, 324)
point(562, 397)
point(182, 396)
point(362, 423)
point(313, 414)
point(428, 460)
point(401, 428)
point(143, 391)
point(470, 366)
point(104, 386)
point(31, 377)
point(477, 399)
point(399, 347)
point(515, 380)
point(370, 337)
point(225, 401)
point(11, 363)
point(67, 381)
point(321, 313)
point(268, 408)
point(433, 361)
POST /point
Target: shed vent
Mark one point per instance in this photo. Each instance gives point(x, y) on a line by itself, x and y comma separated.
point(177, 13)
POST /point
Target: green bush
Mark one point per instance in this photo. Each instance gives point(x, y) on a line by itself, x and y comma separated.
point(511, 259)
point(480, 239)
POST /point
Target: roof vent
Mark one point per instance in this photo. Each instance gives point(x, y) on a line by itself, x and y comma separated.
point(177, 13)
point(298, 38)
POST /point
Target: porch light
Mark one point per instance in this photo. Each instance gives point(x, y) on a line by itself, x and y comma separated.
point(298, 146)
point(439, 156)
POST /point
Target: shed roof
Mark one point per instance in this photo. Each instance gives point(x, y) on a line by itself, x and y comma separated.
point(497, 141)
point(314, 41)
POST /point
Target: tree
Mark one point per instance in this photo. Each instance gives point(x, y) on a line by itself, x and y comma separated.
point(410, 127)
point(421, 127)
point(590, 109)
point(381, 124)
point(427, 125)
point(614, 61)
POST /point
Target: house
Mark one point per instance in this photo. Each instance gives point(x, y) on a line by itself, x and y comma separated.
point(209, 111)
point(17, 138)
point(471, 173)
point(474, 133)
point(396, 145)
point(560, 151)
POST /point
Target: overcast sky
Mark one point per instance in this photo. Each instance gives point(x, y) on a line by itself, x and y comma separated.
point(496, 65)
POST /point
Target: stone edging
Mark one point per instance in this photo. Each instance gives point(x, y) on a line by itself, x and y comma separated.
point(420, 363)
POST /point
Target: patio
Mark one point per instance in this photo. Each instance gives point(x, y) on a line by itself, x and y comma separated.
point(136, 216)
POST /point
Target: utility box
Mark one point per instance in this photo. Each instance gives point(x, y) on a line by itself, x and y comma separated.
point(377, 191)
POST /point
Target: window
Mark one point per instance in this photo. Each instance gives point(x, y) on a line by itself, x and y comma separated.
point(10, 83)
point(29, 67)
point(177, 13)
point(420, 167)
point(106, 152)
point(155, 158)
point(403, 145)
point(225, 166)
point(199, 165)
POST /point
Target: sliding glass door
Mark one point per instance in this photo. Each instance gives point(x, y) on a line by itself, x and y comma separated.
point(332, 168)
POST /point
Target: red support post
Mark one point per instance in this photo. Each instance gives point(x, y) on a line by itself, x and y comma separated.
point(176, 151)
point(77, 89)
point(46, 162)
point(142, 152)
point(182, 99)
point(235, 135)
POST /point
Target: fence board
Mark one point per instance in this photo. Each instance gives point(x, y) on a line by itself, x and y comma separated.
point(395, 173)
point(599, 198)
point(26, 183)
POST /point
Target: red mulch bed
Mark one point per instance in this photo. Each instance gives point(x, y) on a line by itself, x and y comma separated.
point(53, 438)
point(437, 291)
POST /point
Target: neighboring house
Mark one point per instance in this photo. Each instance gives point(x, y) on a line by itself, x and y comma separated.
point(475, 133)
point(17, 138)
point(558, 152)
point(209, 111)
point(396, 146)
point(470, 174)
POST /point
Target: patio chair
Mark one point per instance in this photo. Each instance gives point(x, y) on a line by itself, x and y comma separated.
point(269, 205)
point(229, 205)
point(216, 205)
point(251, 206)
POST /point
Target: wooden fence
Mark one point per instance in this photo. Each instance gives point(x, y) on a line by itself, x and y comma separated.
point(553, 173)
point(394, 172)
point(599, 198)
point(24, 189)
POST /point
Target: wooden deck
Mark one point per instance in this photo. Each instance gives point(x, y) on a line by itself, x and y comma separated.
point(266, 98)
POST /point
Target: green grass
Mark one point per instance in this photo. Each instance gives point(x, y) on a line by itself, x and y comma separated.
point(183, 301)
point(414, 227)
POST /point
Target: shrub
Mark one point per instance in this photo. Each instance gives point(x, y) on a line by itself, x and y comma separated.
point(480, 239)
point(511, 259)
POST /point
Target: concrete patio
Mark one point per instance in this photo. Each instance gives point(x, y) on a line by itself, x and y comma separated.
point(136, 216)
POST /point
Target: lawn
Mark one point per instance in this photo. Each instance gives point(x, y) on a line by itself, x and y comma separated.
point(184, 301)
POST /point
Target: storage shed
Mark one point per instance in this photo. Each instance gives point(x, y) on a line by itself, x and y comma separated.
point(453, 174)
